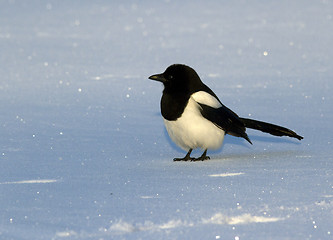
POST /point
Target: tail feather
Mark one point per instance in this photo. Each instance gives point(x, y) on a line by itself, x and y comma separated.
point(269, 128)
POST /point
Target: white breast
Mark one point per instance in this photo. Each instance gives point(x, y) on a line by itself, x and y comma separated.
point(192, 130)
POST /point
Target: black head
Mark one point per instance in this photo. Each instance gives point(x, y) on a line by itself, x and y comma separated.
point(179, 78)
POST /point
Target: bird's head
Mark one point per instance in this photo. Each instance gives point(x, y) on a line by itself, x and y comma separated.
point(178, 78)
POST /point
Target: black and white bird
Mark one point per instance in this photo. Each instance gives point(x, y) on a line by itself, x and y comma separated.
point(195, 118)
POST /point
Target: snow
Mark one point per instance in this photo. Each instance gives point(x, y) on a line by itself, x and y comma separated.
point(83, 149)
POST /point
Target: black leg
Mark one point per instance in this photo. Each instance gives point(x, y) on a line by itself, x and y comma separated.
point(186, 158)
point(203, 157)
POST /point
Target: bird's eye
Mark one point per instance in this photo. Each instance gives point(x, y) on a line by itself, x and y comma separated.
point(170, 77)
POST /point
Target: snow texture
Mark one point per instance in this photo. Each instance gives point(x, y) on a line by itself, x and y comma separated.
point(83, 150)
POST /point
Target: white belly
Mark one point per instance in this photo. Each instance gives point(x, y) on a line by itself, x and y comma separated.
point(192, 130)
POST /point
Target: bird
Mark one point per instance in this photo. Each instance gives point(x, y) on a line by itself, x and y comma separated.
point(194, 116)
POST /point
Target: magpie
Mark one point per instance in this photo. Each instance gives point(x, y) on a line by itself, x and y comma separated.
point(194, 116)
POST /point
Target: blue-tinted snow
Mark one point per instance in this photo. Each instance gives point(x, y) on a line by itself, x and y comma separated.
point(84, 153)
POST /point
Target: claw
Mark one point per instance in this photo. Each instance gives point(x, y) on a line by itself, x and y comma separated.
point(203, 157)
point(189, 158)
point(186, 158)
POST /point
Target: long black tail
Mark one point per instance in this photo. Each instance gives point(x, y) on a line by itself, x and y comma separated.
point(269, 128)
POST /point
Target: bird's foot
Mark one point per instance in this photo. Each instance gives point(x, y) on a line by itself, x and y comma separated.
point(189, 158)
point(186, 158)
point(202, 158)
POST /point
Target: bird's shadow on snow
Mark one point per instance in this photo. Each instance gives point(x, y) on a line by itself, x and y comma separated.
point(256, 138)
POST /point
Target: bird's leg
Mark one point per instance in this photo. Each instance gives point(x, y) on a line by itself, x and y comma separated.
point(203, 157)
point(186, 158)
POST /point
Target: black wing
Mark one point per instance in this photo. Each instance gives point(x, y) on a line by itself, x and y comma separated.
point(225, 119)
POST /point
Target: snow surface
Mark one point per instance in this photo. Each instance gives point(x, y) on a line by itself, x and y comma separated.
point(84, 153)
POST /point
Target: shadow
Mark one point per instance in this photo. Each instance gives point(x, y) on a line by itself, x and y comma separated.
point(275, 139)
point(258, 155)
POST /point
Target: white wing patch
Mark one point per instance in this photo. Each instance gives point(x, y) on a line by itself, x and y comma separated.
point(207, 99)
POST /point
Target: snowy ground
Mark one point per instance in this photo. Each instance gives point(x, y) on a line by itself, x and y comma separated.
point(83, 150)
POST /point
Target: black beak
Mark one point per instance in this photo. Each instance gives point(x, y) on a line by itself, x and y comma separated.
point(158, 77)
